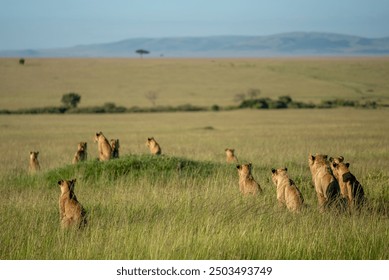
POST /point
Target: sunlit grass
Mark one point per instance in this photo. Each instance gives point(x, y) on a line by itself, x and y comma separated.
point(201, 82)
point(142, 207)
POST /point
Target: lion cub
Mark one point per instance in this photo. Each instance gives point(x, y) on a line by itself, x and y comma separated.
point(287, 192)
point(326, 186)
point(34, 162)
point(154, 147)
point(81, 154)
point(105, 150)
point(247, 184)
point(230, 156)
point(350, 188)
point(115, 148)
point(71, 212)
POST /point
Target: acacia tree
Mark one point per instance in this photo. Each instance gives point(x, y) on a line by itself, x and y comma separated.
point(141, 52)
point(71, 100)
point(152, 97)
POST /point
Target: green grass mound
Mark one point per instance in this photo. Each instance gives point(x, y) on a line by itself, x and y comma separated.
point(136, 166)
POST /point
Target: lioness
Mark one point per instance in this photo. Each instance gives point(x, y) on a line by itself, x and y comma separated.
point(34, 162)
point(247, 184)
point(287, 192)
point(154, 147)
point(326, 186)
point(105, 150)
point(115, 148)
point(350, 188)
point(71, 212)
point(230, 156)
point(81, 154)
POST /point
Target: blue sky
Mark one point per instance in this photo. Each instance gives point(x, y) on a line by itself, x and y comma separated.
point(30, 24)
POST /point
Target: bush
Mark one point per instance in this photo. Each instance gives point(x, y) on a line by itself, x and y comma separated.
point(278, 104)
point(215, 108)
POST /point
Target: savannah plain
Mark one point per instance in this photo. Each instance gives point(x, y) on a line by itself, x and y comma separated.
point(141, 207)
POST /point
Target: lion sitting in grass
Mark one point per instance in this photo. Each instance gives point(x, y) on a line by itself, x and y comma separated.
point(34, 162)
point(71, 212)
point(115, 148)
point(247, 183)
point(81, 154)
point(154, 147)
point(287, 192)
point(350, 188)
point(326, 186)
point(230, 156)
point(105, 150)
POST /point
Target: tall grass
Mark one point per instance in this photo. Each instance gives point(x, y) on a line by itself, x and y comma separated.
point(145, 207)
point(192, 214)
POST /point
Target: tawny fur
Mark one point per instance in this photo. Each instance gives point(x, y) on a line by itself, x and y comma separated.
point(247, 183)
point(115, 148)
point(71, 212)
point(154, 147)
point(350, 188)
point(104, 148)
point(326, 186)
point(288, 193)
point(34, 162)
point(230, 156)
point(82, 153)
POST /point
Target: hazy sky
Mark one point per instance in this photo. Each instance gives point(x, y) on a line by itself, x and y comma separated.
point(28, 24)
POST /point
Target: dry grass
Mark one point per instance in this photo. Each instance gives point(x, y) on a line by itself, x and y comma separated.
point(42, 82)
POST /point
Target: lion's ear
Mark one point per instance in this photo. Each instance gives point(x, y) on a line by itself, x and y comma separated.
point(60, 182)
point(273, 170)
point(286, 169)
point(239, 166)
point(347, 165)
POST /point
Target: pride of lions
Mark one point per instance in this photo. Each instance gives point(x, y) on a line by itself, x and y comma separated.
point(334, 184)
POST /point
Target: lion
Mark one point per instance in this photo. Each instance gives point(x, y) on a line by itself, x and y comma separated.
point(326, 186)
point(105, 150)
point(71, 212)
point(115, 148)
point(82, 153)
point(288, 193)
point(350, 188)
point(230, 156)
point(154, 147)
point(34, 165)
point(247, 183)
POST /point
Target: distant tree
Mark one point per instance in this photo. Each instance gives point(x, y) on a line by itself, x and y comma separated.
point(71, 100)
point(141, 52)
point(239, 97)
point(253, 93)
point(22, 61)
point(152, 97)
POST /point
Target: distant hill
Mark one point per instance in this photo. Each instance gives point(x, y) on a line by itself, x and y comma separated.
point(286, 44)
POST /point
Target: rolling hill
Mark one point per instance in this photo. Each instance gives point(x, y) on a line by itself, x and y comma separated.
point(286, 44)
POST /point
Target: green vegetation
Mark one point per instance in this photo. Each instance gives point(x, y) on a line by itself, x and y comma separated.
point(186, 204)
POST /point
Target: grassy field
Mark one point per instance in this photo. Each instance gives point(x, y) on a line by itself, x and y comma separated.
point(202, 82)
point(141, 207)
